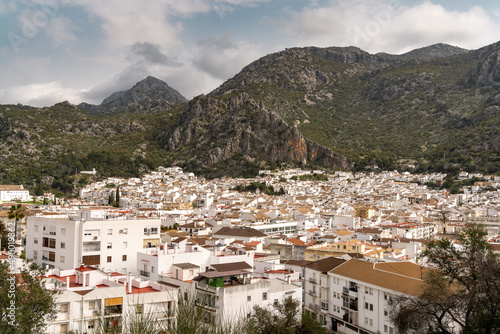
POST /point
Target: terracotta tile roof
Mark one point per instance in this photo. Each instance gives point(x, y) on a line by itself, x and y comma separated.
point(301, 263)
point(240, 232)
point(402, 277)
point(231, 266)
point(296, 242)
point(325, 265)
point(186, 265)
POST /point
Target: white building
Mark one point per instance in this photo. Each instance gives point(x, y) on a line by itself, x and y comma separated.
point(356, 296)
point(109, 244)
point(183, 261)
point(93, 300)
point(14, 193)
point(230, 295)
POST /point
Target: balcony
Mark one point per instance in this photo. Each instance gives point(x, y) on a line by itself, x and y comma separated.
point(345, 290)
point(92, 249)
point(351, 304)
point(313, 293)
point(205, 287)
point(145, 273)
point(207, 306)
point(313, 281)
point(314, 307)
point(92, 246)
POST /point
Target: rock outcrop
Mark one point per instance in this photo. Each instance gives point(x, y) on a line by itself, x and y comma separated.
point(214, 130)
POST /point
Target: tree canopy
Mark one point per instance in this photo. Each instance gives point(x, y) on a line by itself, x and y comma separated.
point(462, 295)
point(25, 303)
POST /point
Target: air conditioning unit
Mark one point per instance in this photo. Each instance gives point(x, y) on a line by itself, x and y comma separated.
point(120, 231)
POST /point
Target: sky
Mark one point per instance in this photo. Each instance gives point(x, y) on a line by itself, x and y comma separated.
point(84, 50)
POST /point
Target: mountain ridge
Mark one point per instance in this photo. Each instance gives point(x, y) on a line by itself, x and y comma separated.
point(436, 108)
point(148, 95)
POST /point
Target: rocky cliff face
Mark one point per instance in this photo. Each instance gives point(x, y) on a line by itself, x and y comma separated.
point(147, 96)
point(215, 130)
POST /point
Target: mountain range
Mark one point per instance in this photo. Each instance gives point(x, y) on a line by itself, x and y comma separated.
point(435, 108)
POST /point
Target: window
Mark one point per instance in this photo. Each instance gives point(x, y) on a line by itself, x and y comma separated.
point(35, 241)
point(366, 306)
point(324, 306)
point(391, 330)
point(35, 255)
point(63, 245)
point(125, 230)
point(63, 308)
point(90, 324)
point(371, 322)
point(139, 309)
point(191, 272)
point(110, 245)
point(366, 321)
point(63, 329)
point(36, 228)
point(124, 257)
point(52, 243)
point(264, 296)
point(125, 244)
point(386, 313)
point(63, 231)
point(92, 305)
point(52, 256)
point(154, 230)
point(385, 328)
point(110, 231)
point(61, 259)
point(249, 298)
point(153, 269)
point(109, 258)
point(371, 307)
point(371, 291)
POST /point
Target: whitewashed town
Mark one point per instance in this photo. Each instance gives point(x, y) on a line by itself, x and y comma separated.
point(342, 244)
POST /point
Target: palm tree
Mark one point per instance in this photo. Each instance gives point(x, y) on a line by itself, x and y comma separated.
point(16, 212)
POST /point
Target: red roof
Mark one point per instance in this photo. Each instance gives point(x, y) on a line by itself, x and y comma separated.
point(83, 268)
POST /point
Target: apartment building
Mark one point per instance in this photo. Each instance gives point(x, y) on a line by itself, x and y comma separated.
point(91, 300)
point(10, 193)
point(317, 286)
point(108, 243)
point(356, 296)
point(183, 261)
point(229, 295)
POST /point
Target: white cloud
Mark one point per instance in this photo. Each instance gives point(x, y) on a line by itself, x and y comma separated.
point(7, 7)
point(377, 26)
point(125, 22)
point(61, 31)
point(39, 94)
point(223, 58)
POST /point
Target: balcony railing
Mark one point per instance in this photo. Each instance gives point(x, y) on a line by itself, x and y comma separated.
point(145, 273)
point(312, 293)
point(206, 287)
point(313, 281)
point(91, 249)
